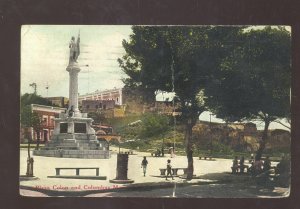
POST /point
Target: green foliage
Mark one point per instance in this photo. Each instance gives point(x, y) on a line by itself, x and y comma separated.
point(98, 117)
point(25, 116)
point(190, 55)
point(153, 125)
point(255, 79)
point(36, 121)
point(30, 119)
point(28, 99)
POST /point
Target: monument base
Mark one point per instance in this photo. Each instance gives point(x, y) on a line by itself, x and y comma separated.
point(73, 137)
point(84, 154)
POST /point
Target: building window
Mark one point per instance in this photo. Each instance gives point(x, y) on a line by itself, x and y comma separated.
point(45, 120)
point(51, 121)
point(45, 135)
point(88, 106)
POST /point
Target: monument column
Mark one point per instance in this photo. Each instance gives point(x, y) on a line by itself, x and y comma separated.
point(73, 70)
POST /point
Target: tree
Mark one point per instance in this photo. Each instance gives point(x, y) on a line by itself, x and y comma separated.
point(98, 116)
point(31, 119)
point(153, 124)
point(25, 119)
point(37, 125)
point(254, 81)
point(28, 99)
point(176, 59)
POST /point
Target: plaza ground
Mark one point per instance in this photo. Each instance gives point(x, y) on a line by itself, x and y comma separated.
point(213, 179)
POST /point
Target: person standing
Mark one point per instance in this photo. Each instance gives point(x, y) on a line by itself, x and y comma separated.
point(235, 165)
point(144, 165)
point(242, 164)
point(258, 164)
point(267, 164)
point(169, 170)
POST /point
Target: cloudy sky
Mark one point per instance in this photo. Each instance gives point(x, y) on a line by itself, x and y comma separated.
point(45, 56)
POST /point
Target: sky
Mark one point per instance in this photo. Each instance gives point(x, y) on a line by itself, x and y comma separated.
point(45, 56)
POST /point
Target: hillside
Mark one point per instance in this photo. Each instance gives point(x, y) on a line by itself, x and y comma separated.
point(150, 132)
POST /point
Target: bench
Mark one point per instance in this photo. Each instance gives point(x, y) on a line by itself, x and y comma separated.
point(240, 169)
point(205, 158)
point(77, 170)
point(162, 171)
point(174, 171)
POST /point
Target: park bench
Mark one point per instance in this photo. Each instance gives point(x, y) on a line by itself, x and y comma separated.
point(77, 170)
point(205, 158)
point(174, 171)
point(77, 175)
point(240, 169)
point(162, 171)
point(130, 152)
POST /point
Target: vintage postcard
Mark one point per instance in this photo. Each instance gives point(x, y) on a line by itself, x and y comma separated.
point(155, 111)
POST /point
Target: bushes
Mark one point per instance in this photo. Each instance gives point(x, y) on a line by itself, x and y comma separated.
point(222, 148)
point(154, 125)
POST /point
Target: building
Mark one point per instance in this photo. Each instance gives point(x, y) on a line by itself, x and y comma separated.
point(96, 105)
point(58, 101)
point(105, 107)
point(47, 115)
point(115, 94)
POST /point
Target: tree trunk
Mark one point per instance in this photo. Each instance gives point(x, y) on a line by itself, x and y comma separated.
point(37, 140)
point(189, 150)
point(163, 148)
point(28, 147)
point(28, 155)
point(263, 141)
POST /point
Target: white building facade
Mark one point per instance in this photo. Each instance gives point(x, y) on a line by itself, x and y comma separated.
point(111, 94)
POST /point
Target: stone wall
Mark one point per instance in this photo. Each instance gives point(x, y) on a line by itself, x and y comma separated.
point(239, 137)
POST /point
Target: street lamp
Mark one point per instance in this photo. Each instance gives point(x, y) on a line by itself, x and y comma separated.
point(211, 146)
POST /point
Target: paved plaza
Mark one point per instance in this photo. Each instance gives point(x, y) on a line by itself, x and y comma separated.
point(45, 166)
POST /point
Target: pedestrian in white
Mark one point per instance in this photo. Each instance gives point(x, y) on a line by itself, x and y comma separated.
point(144, 165)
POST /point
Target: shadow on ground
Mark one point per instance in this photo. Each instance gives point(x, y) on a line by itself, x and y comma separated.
point(220, 185)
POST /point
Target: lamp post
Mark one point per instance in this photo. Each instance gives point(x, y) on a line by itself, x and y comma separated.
point(211, 146)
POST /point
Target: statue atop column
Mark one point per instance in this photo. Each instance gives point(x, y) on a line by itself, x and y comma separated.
point(74, 49)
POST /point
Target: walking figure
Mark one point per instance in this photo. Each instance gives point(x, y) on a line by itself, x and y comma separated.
point(169, 170)
point(144, 165)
